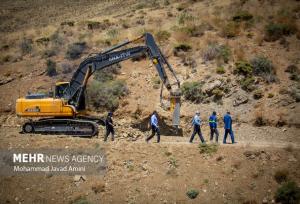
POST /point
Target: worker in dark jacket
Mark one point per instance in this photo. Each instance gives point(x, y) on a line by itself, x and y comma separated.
point(228, 127)
point(154, 127)
point(109, 127)
point(213, 123)
point(196, 122)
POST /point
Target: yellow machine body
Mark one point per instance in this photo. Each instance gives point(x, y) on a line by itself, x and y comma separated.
point(44, 107)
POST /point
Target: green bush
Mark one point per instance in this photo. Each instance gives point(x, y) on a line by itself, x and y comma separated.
point(192, 91)
point(263, 67)
point(43, 41)
point(270, 95)
point(275, 31)
point(247, 83)
point(26, 46)
point(220, 70)
point(242, 16)
point(243, 68)
point(75, 50)
point(208, 148)
point(258, 94)
point(163, 35)
point(288, 193)
point(51, 68)
point(108, 73)
point(281, 175)
point(192, 193)
point(106, 94)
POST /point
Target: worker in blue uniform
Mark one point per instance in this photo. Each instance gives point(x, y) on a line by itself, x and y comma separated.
point(154, 127)
point(228, 127)
point(213, 124)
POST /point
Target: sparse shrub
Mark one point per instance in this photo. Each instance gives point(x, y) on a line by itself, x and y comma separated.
point(66, 68)
point(208, 148)
point(181, 48)
point(108, 73)
point(258, 94)
point(192, 193)
point(81, 200)
point(294, 72)
point(275, 31)
point(220, 70)
point(263, 67)
point(184, 18)
point(288, 193)
point(75, 50)
point(51, 68)
point(218, 94)
point(93, 25)
point(281, 175)
point(67, 23)
point(247, 83)
point(260, 120)
point(192, 91)
point(196, 30)
point(162, 35)
point(50, 52)
point(26, 46)
point(43, 41)
point(57, 39)
point(106, 94)
point(173, 163)
point(270, 95)
point(214, 51)
point(243, 68)
point(295, 94)
point(242, 16)
point(230, 30)
point(112, 33)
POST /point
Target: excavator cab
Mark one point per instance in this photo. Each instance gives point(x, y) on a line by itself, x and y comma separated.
point(59, 89)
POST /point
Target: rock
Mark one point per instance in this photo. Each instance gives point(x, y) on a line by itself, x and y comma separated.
point(240, 99)
point(265, 200)
point(78, 178)
point(209, 87)
point(5, 80)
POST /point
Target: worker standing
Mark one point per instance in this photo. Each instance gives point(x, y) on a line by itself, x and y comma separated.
point(197, 129)
point(228, 127)
point(154, 127)
point(213, 123)
point(109, 127)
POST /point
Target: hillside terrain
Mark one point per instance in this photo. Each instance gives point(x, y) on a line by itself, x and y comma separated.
point(240, 56)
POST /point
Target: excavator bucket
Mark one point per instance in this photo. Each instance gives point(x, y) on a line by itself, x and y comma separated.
point(175, 108)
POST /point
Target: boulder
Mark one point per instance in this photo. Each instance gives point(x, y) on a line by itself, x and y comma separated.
point(240, 99)
point(210, 86)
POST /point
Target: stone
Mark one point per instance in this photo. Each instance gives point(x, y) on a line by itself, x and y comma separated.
point(265, 200)
point(240, 99)
point(210, 86)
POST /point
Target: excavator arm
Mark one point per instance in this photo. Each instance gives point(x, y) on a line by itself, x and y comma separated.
point(74, 92)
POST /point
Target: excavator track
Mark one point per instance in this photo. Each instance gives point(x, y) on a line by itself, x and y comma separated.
point(54, 126)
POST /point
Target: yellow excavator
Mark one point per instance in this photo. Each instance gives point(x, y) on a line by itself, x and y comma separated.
point(63, 112)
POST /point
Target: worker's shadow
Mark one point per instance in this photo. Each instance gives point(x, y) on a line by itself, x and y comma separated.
point(165, 129)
